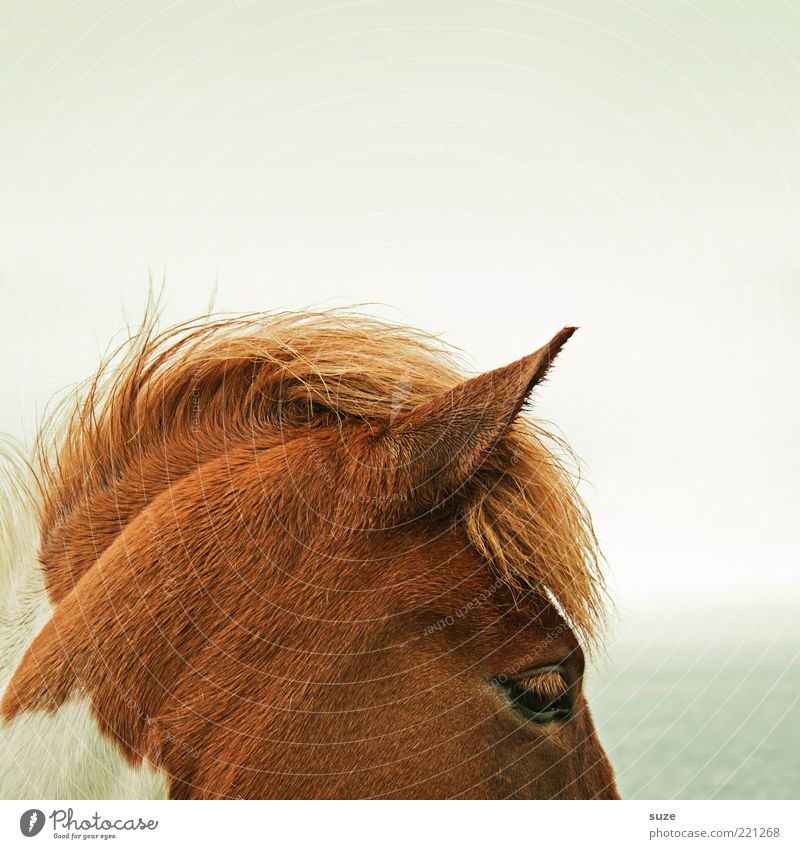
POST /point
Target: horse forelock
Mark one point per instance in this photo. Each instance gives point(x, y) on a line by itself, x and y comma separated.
point(168, 402)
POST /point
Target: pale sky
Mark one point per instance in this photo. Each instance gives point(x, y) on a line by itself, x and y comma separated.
point(491, 175)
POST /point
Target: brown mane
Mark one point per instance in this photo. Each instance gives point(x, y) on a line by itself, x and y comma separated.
point(167, 401)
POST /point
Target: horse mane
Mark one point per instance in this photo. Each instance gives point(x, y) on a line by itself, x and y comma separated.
point(192, 392)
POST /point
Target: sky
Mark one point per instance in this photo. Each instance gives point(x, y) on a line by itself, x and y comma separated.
point(489, 171)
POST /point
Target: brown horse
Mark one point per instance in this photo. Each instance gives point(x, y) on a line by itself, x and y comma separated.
point(298, 555)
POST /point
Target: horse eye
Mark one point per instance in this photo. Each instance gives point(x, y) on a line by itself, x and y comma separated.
point(541, 697)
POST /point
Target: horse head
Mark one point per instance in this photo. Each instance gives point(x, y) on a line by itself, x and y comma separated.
point(301, 556)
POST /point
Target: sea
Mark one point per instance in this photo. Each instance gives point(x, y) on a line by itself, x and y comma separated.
point(723, 724)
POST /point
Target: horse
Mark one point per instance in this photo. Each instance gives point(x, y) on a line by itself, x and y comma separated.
point(298, 555)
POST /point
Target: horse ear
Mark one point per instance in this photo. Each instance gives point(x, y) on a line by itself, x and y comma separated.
point(435, 448)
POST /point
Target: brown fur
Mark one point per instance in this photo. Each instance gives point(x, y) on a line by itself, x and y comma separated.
point(253, 530)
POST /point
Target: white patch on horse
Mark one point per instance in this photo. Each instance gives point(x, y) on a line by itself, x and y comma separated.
point(48, 755)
